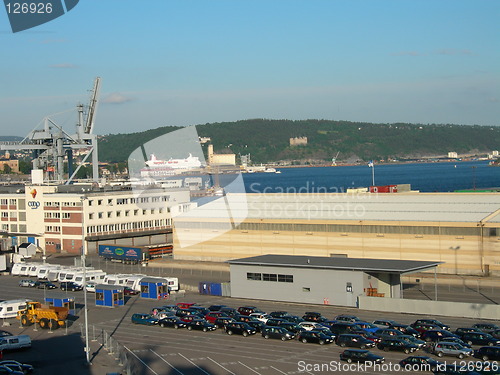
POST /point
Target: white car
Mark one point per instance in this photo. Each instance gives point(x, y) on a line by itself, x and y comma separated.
point(26, 282)
point(90, 287)
point(262, 317)
point(309, 326)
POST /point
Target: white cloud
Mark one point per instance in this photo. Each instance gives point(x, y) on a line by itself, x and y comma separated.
point(453, 52)
point(116, 98)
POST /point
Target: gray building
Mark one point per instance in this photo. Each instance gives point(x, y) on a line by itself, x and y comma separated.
point(319, 280)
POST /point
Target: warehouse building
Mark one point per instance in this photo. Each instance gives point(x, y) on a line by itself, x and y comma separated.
point(56, 217)
point(319, 280)
point(460, 230)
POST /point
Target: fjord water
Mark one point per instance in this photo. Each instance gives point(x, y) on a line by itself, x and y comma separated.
point(425, 177)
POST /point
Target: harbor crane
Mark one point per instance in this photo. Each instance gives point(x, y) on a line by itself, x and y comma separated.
point(52, 144)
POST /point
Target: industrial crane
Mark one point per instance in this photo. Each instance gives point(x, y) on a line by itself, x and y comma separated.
point(51, 144)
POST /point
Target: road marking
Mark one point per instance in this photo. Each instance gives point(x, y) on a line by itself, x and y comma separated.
point(248, 367)
point(274, 368)
point(187, 359)
point(164, 360)
point(221, 366)
point(140, 360)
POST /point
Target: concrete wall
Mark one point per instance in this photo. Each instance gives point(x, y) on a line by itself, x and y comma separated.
point(456, 309)
point(325, 285)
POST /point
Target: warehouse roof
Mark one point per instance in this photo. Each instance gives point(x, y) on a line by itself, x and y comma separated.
point(429, 207)
point(352, 264)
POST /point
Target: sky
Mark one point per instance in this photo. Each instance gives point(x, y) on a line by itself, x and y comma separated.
point(187, 62)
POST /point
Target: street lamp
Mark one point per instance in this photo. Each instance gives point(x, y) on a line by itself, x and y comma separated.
point(456, 248)
point(87, 349)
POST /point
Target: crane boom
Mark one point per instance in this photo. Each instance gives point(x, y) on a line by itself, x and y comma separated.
point(89, 121)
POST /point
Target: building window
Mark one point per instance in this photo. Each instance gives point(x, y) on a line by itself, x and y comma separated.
point(254, 276)
point(91, 216)
point(136, 212)
point(285, 278)
point(66, 215)
point(110, 214)
point(304, 289)
point(127, 213)
point(269, 277)
point(118, 213)
point(99, 296)
point(5, 214)
point(99, 215)
point(99, 202)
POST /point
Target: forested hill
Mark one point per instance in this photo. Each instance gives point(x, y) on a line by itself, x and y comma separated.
point(268, 140)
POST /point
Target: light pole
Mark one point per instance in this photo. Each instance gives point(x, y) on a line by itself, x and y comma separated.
point(87, 349)
point(456, 248)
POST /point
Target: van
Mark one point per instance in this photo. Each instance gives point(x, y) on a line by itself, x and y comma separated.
point(9, 309)
point(15, 342)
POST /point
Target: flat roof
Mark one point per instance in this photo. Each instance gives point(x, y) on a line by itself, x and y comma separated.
point(337, 263)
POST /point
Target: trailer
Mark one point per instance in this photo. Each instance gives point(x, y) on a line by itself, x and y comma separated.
point(134, 254)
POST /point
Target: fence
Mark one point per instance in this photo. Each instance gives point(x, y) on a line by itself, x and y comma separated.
point(125, 358)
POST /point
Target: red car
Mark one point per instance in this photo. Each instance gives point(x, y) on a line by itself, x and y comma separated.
point(129, 291)
point(213, 316)
point(185, 305)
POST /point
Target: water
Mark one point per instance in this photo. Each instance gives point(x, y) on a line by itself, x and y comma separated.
point(425, 177)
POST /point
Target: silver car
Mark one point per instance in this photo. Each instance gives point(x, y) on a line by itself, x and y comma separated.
point(451, 349)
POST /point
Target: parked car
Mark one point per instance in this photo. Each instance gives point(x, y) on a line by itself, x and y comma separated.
point(325, 331)
point(277, 333)
point(293, 318)
point(405, 329)
point(44, 284)
point(5, 333)
point(292, 327)
point(223, 321)
point(412, 340)
point(462, 330)
point(146, 319)
point(420, 363)
point(172, 321)
point(127, 291)
point(247, 310)
point(422, 327)
point(24, 368)
point(486, 327)
point(397, 344)
point(312, 316)
point(278, 314)
point(457, 340)
point(27, 283)
point(361, 356)
point(451, 349)
point(8, 371)
point(262, 317)
point(480, 338)
point(387, 333)
point(214, 315)
point(90, 287)
point(314, 337)
point(201, 325)
point(70, 285)
point(368, 327)
point(254, 323)
point(355, 341)
point(239, 328)
point(488, 353)
point(437, 335)
point(216, 307)
point(229, 311)
point(347, 318)
point(496, 333)
point(185, 305)
point(275, 322)
point(368, 335)
point(309, 326)
point(384, 323)
point(344, 327)
point(431, 321)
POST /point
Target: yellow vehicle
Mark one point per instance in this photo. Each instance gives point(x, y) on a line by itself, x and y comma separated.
point(46, 316)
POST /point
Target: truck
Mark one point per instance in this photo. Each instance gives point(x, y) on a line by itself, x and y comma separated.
point(134, 254)
point(46, 316)
point(4, 262)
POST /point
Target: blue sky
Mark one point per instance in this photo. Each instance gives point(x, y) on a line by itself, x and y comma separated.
point(166, 62)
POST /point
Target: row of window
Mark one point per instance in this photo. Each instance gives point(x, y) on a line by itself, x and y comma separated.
point(14, 227)
point(126, 213)
point(120, 201)
point(53, 228)
point(5, 201)
point(270, 277)
point(127, 226)
point(61, 204)
point(56, 215)
point(378, 229)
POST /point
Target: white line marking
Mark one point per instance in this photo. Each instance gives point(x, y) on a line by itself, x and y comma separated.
point(164, 360)
point(217, 363)
point(248, 367)
point(144, 363)
point(194, 364)
point(274, 368)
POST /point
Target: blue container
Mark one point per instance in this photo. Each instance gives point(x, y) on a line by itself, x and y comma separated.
point(216, 289)
point(109, 295)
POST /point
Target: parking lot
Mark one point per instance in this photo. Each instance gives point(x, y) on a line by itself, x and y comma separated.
point(155, 350)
